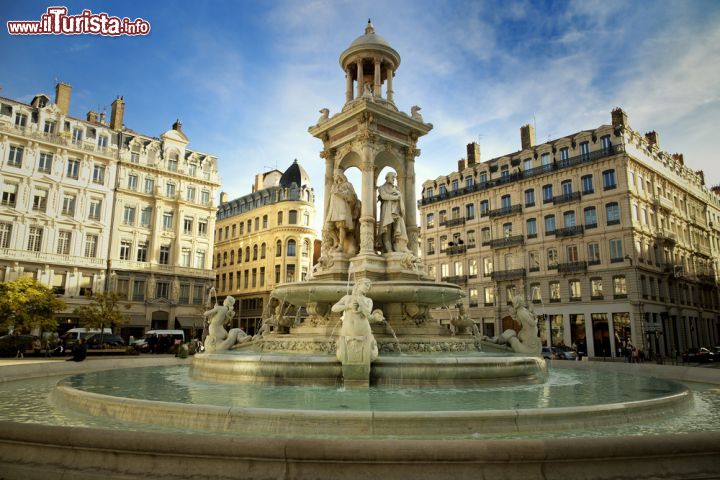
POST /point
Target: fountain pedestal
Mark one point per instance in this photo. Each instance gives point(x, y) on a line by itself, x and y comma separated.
point(355, 354)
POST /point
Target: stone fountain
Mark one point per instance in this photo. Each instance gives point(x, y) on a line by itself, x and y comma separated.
point(370, 244)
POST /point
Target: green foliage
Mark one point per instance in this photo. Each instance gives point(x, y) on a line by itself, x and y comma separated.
point(26, 304)
point(101, 312)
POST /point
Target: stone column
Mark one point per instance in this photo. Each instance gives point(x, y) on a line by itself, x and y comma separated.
point(410, 202)
point(329, 156)
point(348, 85)
point(377, 92)
point(359, 78)
point(367, 216)
point(389, 83)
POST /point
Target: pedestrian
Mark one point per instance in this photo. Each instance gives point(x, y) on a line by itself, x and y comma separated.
point(20, 350)
point(634, 353)
point(79, 351)
point(48, 347)
point(37, 346)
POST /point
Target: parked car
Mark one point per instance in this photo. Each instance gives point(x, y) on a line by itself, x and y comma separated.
point(547, 353)
point(10, 344)
point(564, 353)
point(159, 341)
point(104, 340)
point(699, 355)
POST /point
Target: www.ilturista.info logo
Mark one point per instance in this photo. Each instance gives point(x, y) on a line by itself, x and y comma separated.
point(56, 21)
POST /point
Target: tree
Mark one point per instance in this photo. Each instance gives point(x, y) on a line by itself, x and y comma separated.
point(101, 312)
point(26, 304)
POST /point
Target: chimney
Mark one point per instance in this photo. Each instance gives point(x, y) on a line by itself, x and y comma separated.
point(715, 189)
point(177, 125)
point(473, 153)
point(223, 197)
point(117, 110)
point(678, 157)
point(527, 136)
point(62, 97)
point(653, 138)
point(461, 165)
point(92, 117)
point(102, 118)
point(619, 117)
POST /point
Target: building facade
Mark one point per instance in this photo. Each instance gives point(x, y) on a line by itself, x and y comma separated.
point(263, 239)
point(89, 205)
point(610, 238)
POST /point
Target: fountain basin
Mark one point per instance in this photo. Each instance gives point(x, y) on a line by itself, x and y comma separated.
point(393, 291)
point(384, 413)
point(238, 367)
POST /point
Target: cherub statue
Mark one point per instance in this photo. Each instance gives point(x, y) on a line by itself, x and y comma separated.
point(218, 338)
point(527, 340)
point(357, 313)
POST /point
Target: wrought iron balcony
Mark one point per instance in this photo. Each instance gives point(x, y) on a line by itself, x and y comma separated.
point(533, 172)
point(508, 274)
point(566, 198)
point(572, 267)
point(505, 211)
point(455, 221)
point(506, 242)
point(456, 250)
point(569, 231)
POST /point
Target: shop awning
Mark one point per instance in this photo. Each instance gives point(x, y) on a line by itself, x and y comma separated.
point(190, 322)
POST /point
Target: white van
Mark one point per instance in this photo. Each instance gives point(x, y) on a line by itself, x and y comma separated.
point(176, 336)
point(75, 334)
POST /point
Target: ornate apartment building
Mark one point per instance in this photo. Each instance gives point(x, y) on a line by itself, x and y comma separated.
point(610, 238)
point(263, 239)
point(89, 205)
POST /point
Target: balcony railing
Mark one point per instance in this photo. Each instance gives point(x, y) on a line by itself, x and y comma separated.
point(508, 274)
point(572, 267)
point(533, 172)
point(665, 203)
point(455, 279)
point(43, 257)
point(566, 197)
point(569, 231)
point(706, 279)
point(504, 211)
point(667, 235)
point(455, 221)
point(506, 242)
point(456, 250)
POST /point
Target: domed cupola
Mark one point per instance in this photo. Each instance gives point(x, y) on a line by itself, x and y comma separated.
point(295, 174)
point(369, 63)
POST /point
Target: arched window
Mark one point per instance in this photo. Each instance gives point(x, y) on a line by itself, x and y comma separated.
point(292, 217)
point(306, 248)
point(239, 255)
point(224, 259)
point(278, 248)
point(232, 257)
point(262, 250)
point(247, 254)
point(217, 262)
point(280, 218)
point(255, 252)
point(257, 223)
point(291, 248)
point(265, 221)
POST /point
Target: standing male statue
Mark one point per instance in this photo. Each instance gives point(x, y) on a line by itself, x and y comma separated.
point(392, 216)
point(343, 212)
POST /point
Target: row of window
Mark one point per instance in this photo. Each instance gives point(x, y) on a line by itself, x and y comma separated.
point(619, 291)
point(571, 256)
point(135, 290)
point(255, 277)
point(170, 189)
point(527, 164)
point(506, 200)
point(35, 240)
point(77, 133)
point(291, 248)
point(45, 164)
point(232, 231)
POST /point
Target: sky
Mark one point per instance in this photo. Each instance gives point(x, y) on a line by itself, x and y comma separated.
point(248, 78)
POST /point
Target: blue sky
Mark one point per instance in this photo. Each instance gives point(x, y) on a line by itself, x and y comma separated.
point(248, 78)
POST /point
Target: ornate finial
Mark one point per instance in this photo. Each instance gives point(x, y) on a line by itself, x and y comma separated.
point(369, 29)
